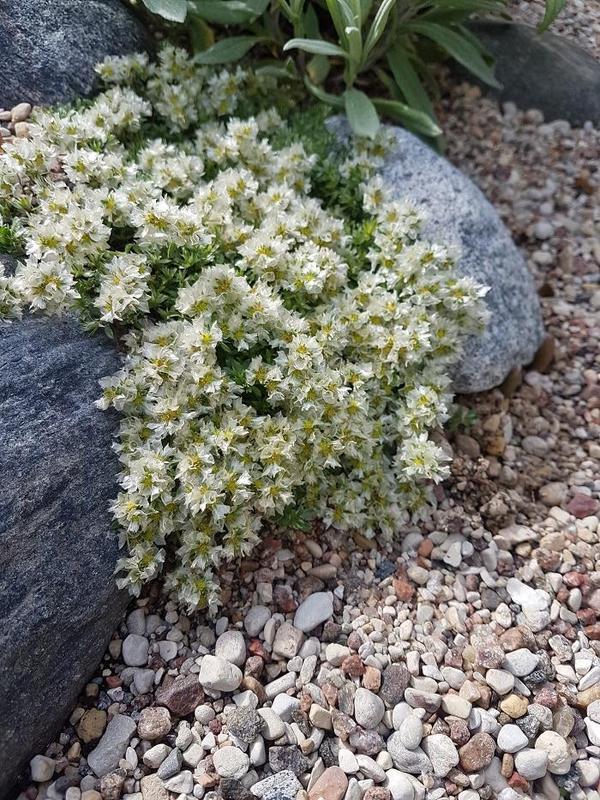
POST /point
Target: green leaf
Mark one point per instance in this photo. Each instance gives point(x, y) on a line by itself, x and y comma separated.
point(553, 9)
point(408, 81)
point(460, 48)
point(228, 50)
point(318, 68)
point(411, 118)
point(201, 34)
point(316, 46)
point(378, 26)
point(311, 23)
point(230, 12)
point(361, 113)
point(337, 17)
point(173, 10)
point(325, 97)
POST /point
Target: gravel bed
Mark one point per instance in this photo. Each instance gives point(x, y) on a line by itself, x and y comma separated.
point(462, 662)
point(579, 20)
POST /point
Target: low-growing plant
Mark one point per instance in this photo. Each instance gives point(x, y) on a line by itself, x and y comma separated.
point(365, 57)
point(288, 333)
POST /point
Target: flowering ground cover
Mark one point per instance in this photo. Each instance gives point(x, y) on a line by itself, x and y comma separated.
point(287, 333)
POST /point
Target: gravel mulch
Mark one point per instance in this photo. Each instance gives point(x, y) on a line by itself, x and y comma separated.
point(462, 662)
point(579, 20)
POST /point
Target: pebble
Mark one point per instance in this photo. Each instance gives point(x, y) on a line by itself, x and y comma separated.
point(154, 723)
point(411, 732)
point(511, 739)
point(230, 762)
point(368, 709)
point(135, 650)
point(331, 785)
point(256, 619)
point(442, 753)
point(111, 748)
point(312, 612)
point(500, 681)
point(521, 662)
point(231, 647)
point(20, 112)
point(218, 674)
point(557, 750)
point(399, 785)
point(531, 764)
point(42, 768)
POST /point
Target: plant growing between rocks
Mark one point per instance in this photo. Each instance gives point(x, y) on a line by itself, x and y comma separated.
point(363, 57)
point(287, 332)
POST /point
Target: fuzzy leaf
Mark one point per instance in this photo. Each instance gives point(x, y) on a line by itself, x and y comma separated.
point(362, 114)
point(316, 46)
point(227, 50)
point(173, 10)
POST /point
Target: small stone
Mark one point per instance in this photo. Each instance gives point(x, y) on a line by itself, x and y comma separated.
point(335, 654)
point(557, 749)
point(531, 764)
point(171, 765)
point(42, 768)
point(511, 738)
point(218, 674)
point(256, 619)
point(521, 662)
point(412, 761)
point(312, 612)
point(152, 788)
point(92, 724)
point(183, 783)
point(288, 758)
point(181, 696)
point(288, 641)
point(554, 494)
point(111, 785)
point(245, 724)
point(272, 726)
point(135, 650)
point(477, 753)
point(154, 757)
point(154, 723)
point(399, 785)
point(231, 647)
point(368, 708)
point(514, 705)
point(230, 762)
point(456, 706)
point(286, 784)
point(331, 785)
point(411, 732)
point(442, 753)
point(20, 112)
point(111, 748)
point(582, 505)
point(347, 761)
point(501, 681)
point(395, 680)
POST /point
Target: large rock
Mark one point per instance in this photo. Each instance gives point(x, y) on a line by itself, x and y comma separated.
point(58, 599)
point(48, 49)
point(544, 71)
point(459, 214)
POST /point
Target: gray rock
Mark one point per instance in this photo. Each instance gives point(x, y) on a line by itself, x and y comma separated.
point(230, 762)
point(317, 608)
point(548, 72)
point(105, 757)
point(285, 782)
point(412, 761)
point(459, 214)
point(58, 600)
point(135, 650)
point(442, 753)
point(218, 674)
point(48, 50)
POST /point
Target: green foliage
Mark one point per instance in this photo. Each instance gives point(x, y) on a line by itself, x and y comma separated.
point(367, 57)
point(10, 242)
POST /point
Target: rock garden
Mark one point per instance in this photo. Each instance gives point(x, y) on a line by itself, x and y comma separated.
point(300, 400)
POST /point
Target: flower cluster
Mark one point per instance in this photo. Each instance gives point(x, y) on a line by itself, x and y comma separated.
point(278, 354)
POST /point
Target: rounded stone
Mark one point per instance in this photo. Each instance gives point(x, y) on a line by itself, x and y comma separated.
point(411, 732)
point(154, 723)
point(312, 612)
point(399, 785)
point(531, 764)
point(368, 708)
point(232, 647)
point(135, 650)
point(219, 675)
point(256, 619)
point(557, 749)
point(230, 762)
point(511, 739)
